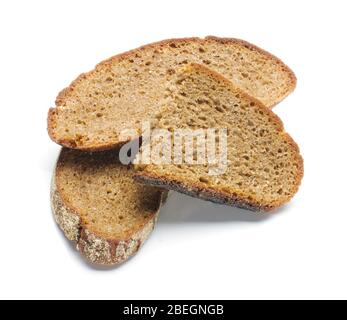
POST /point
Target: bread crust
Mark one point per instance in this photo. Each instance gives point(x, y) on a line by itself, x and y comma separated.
point(221, 197)
point(201, 193)
point(108, 146)
point(96, 249)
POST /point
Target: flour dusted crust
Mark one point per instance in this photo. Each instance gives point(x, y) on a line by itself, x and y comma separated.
point(95, 249)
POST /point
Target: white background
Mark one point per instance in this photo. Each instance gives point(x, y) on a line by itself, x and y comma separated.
point(198, 250)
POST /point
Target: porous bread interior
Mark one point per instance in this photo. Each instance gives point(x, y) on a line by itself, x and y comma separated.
point(124, 91)
point(103, 193)
point(264, 164)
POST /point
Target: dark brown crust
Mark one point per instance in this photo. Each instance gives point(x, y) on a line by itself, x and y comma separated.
point(224, 198)
point(65, 93)
point(201, 193)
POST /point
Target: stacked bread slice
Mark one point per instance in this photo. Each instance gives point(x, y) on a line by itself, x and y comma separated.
point(108, 208)
point(126, 90)
point(263, 166)
point(99, 206)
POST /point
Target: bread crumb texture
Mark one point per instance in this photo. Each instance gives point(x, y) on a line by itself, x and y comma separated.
point(100, 207)
point(125, 90)
point(264, 168)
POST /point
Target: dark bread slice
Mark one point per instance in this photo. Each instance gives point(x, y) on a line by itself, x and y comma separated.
point(124, 91)
point(264, 168)
point(101, 208)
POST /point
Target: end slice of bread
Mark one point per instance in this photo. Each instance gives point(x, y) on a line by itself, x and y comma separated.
point(101, 208)
point(264, 165)
point(122, 92)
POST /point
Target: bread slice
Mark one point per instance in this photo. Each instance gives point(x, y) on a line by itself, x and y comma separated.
point(101, 208)
point(264, 167)
point(124, 91)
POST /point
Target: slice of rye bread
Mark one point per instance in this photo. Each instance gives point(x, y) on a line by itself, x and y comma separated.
point(124, 91)
point(100, 207)
point(264, 167)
